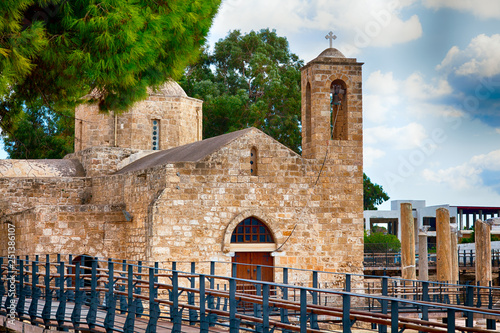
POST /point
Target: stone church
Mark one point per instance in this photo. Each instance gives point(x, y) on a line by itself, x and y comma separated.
point(143, 185)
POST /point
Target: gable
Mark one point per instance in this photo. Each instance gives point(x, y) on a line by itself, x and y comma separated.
point(198, 151)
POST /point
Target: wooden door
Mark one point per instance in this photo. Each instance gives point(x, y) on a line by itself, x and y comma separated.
point(248, 269)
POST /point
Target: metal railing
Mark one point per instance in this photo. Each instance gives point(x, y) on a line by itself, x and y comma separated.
point(130, 296)
point(380, 256)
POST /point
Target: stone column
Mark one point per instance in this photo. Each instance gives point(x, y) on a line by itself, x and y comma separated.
point(483, 253)
point(408, 270)
point(455, 278)
point(423, 262)
point(443, 232)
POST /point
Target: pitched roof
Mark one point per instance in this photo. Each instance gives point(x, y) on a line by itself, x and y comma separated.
point(192, 152)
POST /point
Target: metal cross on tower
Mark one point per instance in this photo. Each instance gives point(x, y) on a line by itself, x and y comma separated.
point(331, 37)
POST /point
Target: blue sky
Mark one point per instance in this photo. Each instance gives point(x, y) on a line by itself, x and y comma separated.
point(431, 83)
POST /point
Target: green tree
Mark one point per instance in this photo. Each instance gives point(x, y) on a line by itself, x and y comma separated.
point(249, 80)
point(53, 52)
point(38, 134)
point(381, 242)
point(373, 194)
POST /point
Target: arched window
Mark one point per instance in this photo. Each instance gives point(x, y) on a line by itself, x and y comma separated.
point(338, 110)
point(253, 162)
point(251, 230)
point(308, 113)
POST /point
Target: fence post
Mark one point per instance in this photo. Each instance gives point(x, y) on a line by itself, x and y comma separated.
point(451, 321)
point(154, 307)
point(61, 309)
point(176, 314)
point(77, 310)
point(314, 316)
point(257, 308)
point(123, 298)
point(469, 301)
point(130, 321)
point(394, 316)
point(383, 302)
point(21, 296)
point(47, 308)
point(70, 295)
point(193, 317)
point(92, 312)
point(139, 308)
point(425, 298)
point(284, 312)
point(265, 308)
point(303, 310)
point(212, 317)
point(346, 311)
point(234, 269)
point(35, 291)
point(491, 324)
point(204, 324)
point(109, 320)
point(234, 323)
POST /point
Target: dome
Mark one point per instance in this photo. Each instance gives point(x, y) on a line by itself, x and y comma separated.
point(331, 53)
point(168, 89)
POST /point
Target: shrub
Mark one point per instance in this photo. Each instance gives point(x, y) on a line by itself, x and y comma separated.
point(380, 242)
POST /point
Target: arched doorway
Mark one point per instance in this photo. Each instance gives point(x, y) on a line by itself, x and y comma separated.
point(85, 262)
point(255, 240)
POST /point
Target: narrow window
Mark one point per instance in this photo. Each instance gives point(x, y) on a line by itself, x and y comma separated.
point(253, 162)
point(308, 113)
point(155, 137)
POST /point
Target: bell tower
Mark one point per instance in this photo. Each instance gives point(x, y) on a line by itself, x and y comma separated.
point(332, 107)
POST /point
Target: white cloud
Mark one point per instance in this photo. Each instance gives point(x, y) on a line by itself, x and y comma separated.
point(401, 138)
point(461, 177)
point(386, 95)
point(382, 98)
point(379, 83)
point(358, 23)
point(490, 161)
point(480, 57)
point(468, 175)
point(448, 112)
point(370, 155)
point(418, 88)
point(497, 130)
point(483, 9)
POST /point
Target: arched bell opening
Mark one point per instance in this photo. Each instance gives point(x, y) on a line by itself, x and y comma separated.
point(338, 110)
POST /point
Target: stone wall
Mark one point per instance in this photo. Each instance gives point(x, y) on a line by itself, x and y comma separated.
point(83, 229)
point(100, 161)
point(180, 122)
point(18, 194)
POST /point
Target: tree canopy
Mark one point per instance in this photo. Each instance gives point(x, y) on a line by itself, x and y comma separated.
point(373, 194)
point(249, 80)
point(53, 52)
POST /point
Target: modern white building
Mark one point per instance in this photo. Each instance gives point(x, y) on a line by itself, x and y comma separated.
point(424, 215)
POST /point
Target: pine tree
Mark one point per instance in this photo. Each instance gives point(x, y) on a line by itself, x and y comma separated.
point(54, 52)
